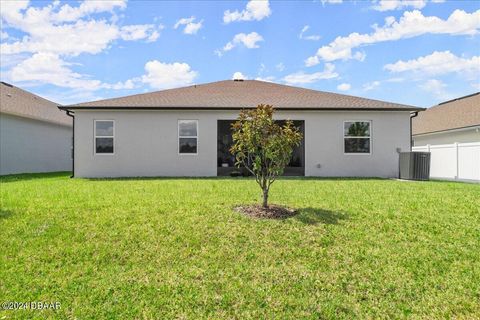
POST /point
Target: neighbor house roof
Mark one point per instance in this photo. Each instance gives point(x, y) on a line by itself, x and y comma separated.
point(16, 101)
point(235, 94)
point(453, 114)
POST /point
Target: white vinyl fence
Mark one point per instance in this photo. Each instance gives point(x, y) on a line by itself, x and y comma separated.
point(458, 161)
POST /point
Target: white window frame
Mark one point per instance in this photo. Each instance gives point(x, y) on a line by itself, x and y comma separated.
point(179, 136)
point(369, 137)
point(95, 137)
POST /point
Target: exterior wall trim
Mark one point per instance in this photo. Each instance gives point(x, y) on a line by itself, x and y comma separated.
point(186, 108)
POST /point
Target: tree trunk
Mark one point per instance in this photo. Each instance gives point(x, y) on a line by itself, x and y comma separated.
point(265, 198)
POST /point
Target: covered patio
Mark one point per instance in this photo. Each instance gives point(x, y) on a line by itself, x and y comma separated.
point(226, 161)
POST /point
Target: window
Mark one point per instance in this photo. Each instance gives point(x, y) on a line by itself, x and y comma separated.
point(356, 136)
point(104, 136)
point(187, 136)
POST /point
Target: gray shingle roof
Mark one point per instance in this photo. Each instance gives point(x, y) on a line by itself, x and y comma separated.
point(229, 94)
point(455, 114)
point(16, 101)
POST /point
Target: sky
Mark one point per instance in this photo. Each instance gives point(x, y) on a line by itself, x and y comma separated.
point(414, 52)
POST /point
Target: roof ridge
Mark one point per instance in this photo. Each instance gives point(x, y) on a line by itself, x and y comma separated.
point(460, 98)
point(447, 103)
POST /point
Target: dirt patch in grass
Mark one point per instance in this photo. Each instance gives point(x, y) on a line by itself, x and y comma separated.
point(272, 212)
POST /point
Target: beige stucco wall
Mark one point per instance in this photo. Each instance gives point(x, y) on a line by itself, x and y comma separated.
point(448, 137)
point(28, 146)
point(146, 143)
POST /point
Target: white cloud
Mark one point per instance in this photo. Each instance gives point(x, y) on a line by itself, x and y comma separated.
point(437, 88)
point(280, 67)
point(49, 68)
point(72, 39)
point(68, 13)
point(10, 60)
point(154, 35)
point(255, 10)
point(250, 41)
point(140, 31)
point(331, 1)
point(411, 24)
point(62, 30)
point(302, 35)
point(371, 85)
point(160, 75)
point(129, 84)
point(12, 15)
point(344, 87)
point(55, 33)
point(386, 5)
point(239, 75)
point(438, 63)
point(312, 61)
point(191, 27)
point(10, 10)
point(303, 78)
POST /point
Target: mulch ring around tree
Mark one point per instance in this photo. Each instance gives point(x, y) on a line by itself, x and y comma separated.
point(272, 212)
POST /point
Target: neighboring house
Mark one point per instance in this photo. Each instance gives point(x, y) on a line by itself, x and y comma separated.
point(451, 121)
point(186, 131)
point(34, 135)
point(450, 131)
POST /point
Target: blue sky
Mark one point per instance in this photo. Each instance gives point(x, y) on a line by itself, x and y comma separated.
point(413, 52)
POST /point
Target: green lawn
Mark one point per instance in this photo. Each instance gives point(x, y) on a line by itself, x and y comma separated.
point(174, 248)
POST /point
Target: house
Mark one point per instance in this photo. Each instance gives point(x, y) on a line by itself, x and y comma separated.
point(450, 131)
point(34, 135)
point(456, 120)
point(186, 131)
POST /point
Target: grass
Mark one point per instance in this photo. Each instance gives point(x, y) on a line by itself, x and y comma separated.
point(174, 248)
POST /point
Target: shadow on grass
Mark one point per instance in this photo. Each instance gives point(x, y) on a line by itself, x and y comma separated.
point(32, 176)
point(286, 178)
point(4, 214)
point(165, 178)
point(314, 216)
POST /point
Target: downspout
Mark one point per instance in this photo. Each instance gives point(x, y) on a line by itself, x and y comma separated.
point(70, 114)
point(412, 115)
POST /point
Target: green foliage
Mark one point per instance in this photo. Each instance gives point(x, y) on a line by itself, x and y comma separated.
point(174, 249)
point(358, 129)
point(262, 146)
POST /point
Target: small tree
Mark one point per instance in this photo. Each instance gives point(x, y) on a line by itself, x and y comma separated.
point(262, 146)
